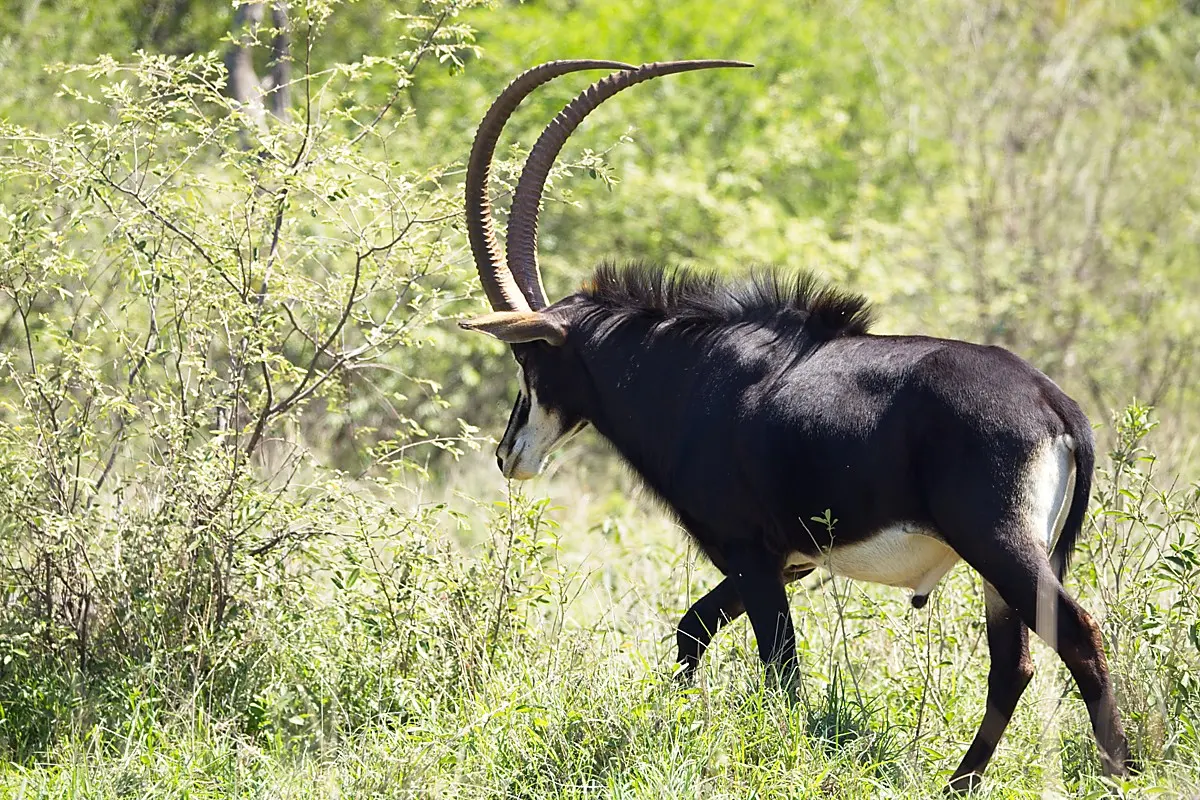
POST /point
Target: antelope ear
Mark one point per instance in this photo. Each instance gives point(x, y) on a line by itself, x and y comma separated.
point(515, 327)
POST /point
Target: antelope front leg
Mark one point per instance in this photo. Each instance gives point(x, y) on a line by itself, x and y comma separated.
point(759, 582)
point(700, 624)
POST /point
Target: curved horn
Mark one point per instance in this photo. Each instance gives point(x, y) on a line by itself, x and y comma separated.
point(522, 224)
point(502, 292)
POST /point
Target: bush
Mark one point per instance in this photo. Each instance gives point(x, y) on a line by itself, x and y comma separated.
point(215, 314)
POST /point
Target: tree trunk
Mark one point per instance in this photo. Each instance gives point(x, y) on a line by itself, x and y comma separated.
point(244, 86)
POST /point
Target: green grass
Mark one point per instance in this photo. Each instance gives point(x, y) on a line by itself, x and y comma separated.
point(198, 601)
point(533, 657)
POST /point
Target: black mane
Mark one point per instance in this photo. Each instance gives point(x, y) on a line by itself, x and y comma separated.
point(765, 296)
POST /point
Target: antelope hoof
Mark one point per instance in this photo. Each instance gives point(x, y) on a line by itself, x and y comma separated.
point(964, 784)
point(685, 675)
point(787, 678)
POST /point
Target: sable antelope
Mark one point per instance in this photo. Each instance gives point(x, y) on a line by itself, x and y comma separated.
point(750, 408)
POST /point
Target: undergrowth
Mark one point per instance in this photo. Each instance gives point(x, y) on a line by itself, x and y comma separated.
point(455, 649)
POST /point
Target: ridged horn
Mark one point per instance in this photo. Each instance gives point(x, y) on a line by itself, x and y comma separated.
point(523, 222)
point(502, 291)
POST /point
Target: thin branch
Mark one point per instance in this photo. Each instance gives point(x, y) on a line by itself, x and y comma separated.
point(421, 51)
point(300, 392)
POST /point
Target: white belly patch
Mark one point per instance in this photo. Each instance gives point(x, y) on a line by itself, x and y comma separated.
point(906, 555)
point(900, 555)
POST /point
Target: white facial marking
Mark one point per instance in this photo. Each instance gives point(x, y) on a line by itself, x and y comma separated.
point(542, 432)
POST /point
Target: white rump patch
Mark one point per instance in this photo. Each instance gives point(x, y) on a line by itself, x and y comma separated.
point(899, 555)
point(1049, 488)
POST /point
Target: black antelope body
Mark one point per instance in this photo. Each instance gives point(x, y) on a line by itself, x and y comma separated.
point(750, 408)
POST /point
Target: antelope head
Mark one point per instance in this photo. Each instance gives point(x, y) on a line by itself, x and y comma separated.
point(539, 333)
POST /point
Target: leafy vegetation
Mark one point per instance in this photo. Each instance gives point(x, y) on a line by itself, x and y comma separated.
point(251, 539)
